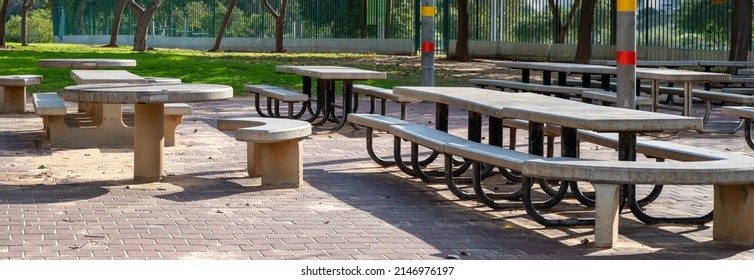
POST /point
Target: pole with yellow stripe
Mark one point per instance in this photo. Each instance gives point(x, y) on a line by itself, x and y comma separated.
point(626, 58)
point(626, 53)
point(428, 42)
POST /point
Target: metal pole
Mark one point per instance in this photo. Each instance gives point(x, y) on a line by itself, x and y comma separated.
point(626, 53)
point(428, 43)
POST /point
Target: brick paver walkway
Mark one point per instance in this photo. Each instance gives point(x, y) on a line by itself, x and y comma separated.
point(61, 203)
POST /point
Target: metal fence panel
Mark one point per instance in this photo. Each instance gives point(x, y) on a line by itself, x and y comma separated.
point(681, 24)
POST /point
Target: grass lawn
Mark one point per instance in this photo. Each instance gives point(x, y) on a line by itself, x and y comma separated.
point(228, 68)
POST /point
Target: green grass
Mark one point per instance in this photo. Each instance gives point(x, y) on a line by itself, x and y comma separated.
point(227, 68)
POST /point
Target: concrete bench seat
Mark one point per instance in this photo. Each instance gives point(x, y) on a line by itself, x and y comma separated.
point(53, 111)
point(611, 97)
point(733, 182)
point(13, 95)
point(276, 94)
point(738, 90)
point(274, 147)
point(383, 94)
point(746, 114)
point(562, 91)
point(174, 113)
point(383, 123)
point(657, 148)
point(162, 80)
point(740, 80)
point(447, 144)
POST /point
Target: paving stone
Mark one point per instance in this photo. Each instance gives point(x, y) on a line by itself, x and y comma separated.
point(83, 204)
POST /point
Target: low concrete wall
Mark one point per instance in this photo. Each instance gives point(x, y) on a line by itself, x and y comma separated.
point(381, 46)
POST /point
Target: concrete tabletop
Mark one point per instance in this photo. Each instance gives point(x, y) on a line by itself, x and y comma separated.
point(145, 93)
point(20, 80)
point(85, 63)
point(551, 110)
point(652, 63)
point(332, 72)
point(670, 75)
point(106, 77)
point(674, 75)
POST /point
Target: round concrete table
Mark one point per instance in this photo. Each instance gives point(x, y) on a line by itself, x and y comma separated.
point(86, 63)
point(149, 100)
point(13, 97)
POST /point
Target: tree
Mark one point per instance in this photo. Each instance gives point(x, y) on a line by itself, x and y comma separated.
point(462, 42)
point(388, 14)
point(223, 25)
point(143, 21)
point(740, 33)
point(79, 16)
point(586, 24)
point(279, 23)
point(3, 14)
point(24, 15)
point(560, 30)
point(116, 22)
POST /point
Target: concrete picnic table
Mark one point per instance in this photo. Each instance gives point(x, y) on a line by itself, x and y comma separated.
point(14, 92)
point(106, 120)
point(569, 115)
point(688, 78)
point(149, 101)
point(86, 64)
point(326, 77)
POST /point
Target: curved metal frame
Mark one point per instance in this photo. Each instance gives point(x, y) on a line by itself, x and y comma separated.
point(531, 210)
point(647, 219)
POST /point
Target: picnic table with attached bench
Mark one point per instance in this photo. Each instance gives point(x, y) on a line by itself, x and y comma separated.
point(731, 206)
point(104, 124)
point(326, 77)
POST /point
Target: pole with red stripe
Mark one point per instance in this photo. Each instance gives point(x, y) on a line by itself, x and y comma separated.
point(626, 53)
point(428, 42)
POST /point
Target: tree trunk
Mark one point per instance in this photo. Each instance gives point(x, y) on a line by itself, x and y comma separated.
point(586, 24)
point(462, 43)
point(279, 23)
point(3, 14)
point(740, 33)
point(224, 25)
point(25, 15)
point(80, 18)
point(560, 29)
point(363, 19)
point(388, 13)
point(555, 10)
point(116, 22)
point(143, 20)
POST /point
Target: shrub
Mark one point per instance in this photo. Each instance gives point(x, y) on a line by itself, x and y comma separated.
point(38, 27)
